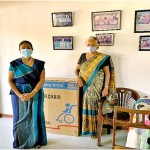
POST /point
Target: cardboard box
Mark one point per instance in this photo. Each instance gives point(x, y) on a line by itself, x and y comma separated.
point(61, 106)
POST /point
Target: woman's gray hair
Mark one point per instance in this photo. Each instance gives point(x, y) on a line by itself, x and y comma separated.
point(95, 38)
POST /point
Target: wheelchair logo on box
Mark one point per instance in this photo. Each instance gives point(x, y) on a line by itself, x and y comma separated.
point(66, 115)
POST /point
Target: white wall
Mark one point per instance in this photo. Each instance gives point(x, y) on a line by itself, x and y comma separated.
point(32, 21)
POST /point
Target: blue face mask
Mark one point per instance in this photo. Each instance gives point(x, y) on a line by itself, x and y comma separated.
point(91, 49)
point(26, 52)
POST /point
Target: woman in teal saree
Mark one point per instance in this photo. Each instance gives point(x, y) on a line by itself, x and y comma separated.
point(95, 72)
point(26, 77)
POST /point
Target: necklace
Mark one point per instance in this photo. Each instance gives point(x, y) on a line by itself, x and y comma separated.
point(28, 62)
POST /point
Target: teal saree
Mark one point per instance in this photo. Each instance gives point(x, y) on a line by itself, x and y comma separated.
point(28, 117)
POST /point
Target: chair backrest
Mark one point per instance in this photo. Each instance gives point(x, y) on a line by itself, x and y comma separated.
point(124, 96)
point(136, 119)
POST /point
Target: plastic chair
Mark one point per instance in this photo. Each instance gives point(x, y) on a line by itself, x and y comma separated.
point(124, 96)
point(138, 122)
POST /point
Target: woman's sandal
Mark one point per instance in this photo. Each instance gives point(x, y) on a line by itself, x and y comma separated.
point(37, 146)
point(93, 137)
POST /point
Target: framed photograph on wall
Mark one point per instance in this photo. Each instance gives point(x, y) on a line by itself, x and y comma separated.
point(106, 39)
point(61, 19)
point(142, 21)
point(106, 20)
point(144, 43)
point(63, 42)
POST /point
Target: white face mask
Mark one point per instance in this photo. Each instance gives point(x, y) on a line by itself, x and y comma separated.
point(91, 49)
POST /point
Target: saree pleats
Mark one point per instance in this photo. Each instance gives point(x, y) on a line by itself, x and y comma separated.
point(29, 123)
point(90, 105)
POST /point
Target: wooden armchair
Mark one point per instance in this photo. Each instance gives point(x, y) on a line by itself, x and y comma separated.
point(128, 123)
point(124, 96)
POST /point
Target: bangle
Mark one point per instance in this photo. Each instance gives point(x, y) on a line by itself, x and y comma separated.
point(35, 90)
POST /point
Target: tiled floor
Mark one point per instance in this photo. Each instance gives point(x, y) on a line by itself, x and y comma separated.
point(56, 141)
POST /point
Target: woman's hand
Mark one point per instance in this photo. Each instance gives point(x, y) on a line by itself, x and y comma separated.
point(105, 92)
point(26, 96)
point(79, 82)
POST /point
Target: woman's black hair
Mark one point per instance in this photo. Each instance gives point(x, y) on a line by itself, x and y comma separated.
point(25, 41)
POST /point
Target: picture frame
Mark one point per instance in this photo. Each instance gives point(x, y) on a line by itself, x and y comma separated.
point(106, 39)
point(142, 21)
point(144, 43)
point(106, 20)
point(63, 42)
point(61, 19)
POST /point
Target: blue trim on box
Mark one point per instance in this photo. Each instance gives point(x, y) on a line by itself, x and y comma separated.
point(60, 85)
